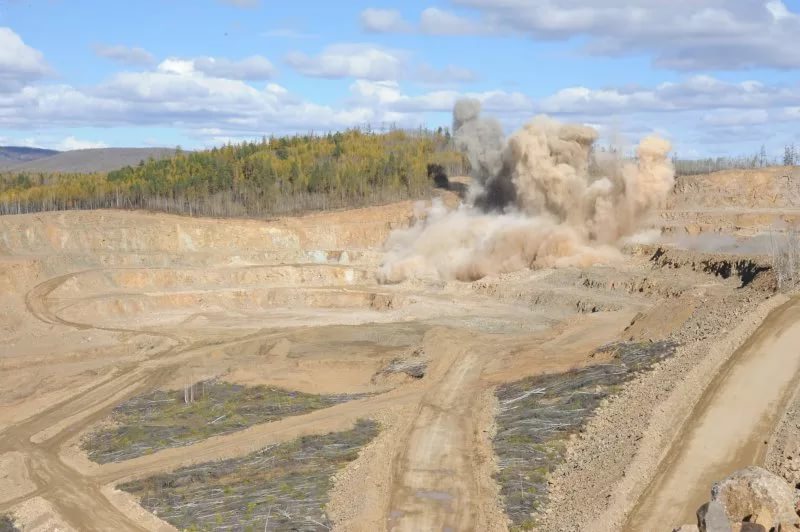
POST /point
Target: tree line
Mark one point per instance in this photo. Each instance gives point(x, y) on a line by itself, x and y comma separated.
point(276, 175)
point(760, 159)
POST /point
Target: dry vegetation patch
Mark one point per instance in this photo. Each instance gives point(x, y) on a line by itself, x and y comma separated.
point(161, 419)
point(414, 366)
point(281, 487)
point(7, 524)
point(537, 414)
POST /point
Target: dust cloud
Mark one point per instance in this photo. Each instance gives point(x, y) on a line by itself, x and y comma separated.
point(541, 198)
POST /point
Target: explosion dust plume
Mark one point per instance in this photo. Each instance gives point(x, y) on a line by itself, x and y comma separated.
point(541, 198)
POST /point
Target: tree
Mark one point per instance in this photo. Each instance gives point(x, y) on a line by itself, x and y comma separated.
point(280, 174)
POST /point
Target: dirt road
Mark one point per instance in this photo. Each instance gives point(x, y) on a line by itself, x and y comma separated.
point(730, 426)
point(171, 300)
point(434, 484)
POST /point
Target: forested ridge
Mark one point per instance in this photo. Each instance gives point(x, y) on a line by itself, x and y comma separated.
point(276, 175)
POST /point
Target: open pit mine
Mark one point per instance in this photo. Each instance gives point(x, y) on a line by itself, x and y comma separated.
point(327, 371)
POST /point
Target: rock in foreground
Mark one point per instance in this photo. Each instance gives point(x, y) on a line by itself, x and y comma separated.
point(749, 499)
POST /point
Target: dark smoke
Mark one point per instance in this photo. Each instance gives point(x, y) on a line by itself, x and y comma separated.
point(538, 199)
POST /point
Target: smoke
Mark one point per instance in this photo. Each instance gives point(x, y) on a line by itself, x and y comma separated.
point(541, 198)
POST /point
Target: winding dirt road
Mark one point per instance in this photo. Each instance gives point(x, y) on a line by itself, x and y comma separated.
point(77, 497)
point(730, 426)
point(434, 485)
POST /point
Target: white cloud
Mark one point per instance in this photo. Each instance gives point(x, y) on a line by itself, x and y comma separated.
point(435, 21)
point(697, 35)
point(254, 68)
point(175, 65)
point(19, 63)
point(388, 95)
point(603, 101)
point(432, 21)
point(371, 62)
point(71, 143)
point(791, 113)
point(175, 95)
point(27, 142)
point(694, 93)
point(178, 95)
point(206, 99)
point(449, 74)
point(349, 60)
point(779, 11)
point(243, 4)
point(384, 21)
point(737, 117)
point(126, 55)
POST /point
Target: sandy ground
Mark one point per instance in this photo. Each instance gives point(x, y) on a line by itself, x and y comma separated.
point(100, 306)
point(39, 515)
point(14, 479)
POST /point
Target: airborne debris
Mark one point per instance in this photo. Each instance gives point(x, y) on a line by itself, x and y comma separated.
point(541, 198)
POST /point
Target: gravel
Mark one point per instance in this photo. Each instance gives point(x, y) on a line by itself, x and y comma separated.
point(611, 462)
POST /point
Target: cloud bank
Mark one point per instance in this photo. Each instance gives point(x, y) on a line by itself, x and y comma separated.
point(690, 36)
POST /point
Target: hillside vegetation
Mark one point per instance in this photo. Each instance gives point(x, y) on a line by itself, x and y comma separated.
point(277, 175)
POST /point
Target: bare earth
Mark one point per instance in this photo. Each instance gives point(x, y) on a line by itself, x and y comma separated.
point(728, 426)
point(96, 307)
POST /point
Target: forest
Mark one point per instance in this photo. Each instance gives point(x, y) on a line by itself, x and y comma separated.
point(276, 175)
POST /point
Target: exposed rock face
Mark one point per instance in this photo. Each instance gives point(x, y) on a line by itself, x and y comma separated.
point(750, 500)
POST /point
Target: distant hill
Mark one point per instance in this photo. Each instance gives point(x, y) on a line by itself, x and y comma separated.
point(85, 161)
point(14, 155)
point(291, 174)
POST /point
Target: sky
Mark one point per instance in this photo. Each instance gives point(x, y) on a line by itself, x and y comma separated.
point(715, 77)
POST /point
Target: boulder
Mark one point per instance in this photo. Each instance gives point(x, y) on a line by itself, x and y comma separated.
point(711, 517)
point(754, 495)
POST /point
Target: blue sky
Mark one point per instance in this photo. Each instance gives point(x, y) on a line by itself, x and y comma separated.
point(716, 77)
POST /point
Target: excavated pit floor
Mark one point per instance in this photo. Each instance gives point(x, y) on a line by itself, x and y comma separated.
point(99, 307)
